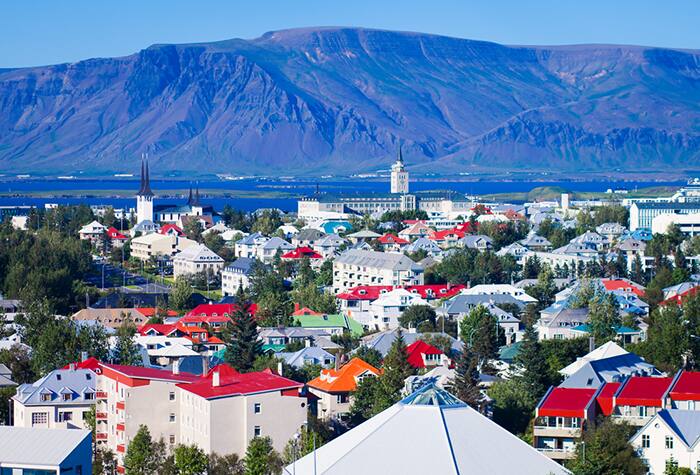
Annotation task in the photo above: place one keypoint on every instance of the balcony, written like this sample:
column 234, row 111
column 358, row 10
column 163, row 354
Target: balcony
column 101, row 436
column 631, row 420
column 557, row 431
column 101, row 395
column 121, row 449
column 120, row 427
column 558, row 454
column 120, row 405
column 101, row 416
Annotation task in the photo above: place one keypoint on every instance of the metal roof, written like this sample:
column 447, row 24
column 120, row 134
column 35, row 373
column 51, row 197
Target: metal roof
column 35, row 446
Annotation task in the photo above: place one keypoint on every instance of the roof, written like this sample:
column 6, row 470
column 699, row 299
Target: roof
column 312, row 353
column 329, row 321
column 276, row 243
column 159, row 328
column 686, row 387
column 429, row 432
column 389, row 238
column 78, row 382
column 605, row 398
column 54, row 445
column 113, row 233
column 382, row 341
column 364, row 234
column 242, row 265
column 680, row 298
column 624, row 285
column 171, row 228
column 566, row 402
column 595, row 373
column 643, row 391
column 140, row 372
column 301, row 252
column 685, row 424
column 233, row 383
column 198, row 252
column 606, row 350
column 373, row 292
column 343, row 379
column 417, row 349
column 384, row 260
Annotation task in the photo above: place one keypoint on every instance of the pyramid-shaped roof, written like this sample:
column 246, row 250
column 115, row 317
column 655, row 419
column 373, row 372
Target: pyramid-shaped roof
column 431, row 431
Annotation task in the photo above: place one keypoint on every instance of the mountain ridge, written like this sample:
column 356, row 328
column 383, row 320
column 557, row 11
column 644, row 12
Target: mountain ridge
column 341, row 100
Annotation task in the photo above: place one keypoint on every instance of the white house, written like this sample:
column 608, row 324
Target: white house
column 196, row 259
column 386, row 310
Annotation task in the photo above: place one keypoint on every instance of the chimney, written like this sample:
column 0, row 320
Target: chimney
column 83, row 355
column 71, row 366
column 215, row 379
column 307, row 343
column 176, row 366
column 296, row 307
column 591, row 343
column 205, row 365
column 280, row 368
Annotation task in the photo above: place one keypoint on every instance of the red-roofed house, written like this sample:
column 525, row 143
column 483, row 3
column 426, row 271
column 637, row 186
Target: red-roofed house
column 639, row 398
column 215, row 315
column 118, row 239
column 606, row 398
column 560, row 418
column 678, row 299
column 424, row 355
column 684, row 392
column 447, row 237
column 392, row 243
column 300, row 253
column 624, row 285
column 224, row 410
column 171, row 230
column 153, row 329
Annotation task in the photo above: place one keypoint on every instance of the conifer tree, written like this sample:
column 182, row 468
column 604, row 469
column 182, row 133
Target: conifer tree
column 243, row 345
column 531, row 360
column 465, row 384
column 396, row 370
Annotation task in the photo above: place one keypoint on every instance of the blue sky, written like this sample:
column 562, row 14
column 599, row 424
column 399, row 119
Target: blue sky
column 35, row 32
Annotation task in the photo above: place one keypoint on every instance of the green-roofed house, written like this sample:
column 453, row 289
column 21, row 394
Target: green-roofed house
column 508, row 353
column 335, row 324
column 624, row 334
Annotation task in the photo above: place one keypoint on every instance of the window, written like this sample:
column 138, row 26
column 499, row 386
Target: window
column 669, row 442
column 256, row 431
column 642, row 411
column 646, row 441
column 257, row 408
column 67, row 396
column 40, row 418
column 65, row 416
column 172, row 439
column 171, row 396
column 45, row 397
column 89, row 396
column 172, row 417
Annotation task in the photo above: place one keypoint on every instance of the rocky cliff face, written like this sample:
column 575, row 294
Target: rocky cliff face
column 341, row 100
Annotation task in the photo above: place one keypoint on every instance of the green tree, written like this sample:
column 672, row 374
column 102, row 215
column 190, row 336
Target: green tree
column 180, row 294
column 421, row 317
column 193, row 230
column 225, row 465
column 364, row 400
column 465, row 384
column 369, row 355
column 396, row 370
column 126, row 351
column 140, row 455
column 190, row 460
column 668, row 340
column 607, row 451
column 532, row 366
column 267, row 222
column 104, row 462
column 243, row 345
column 512, row 406
column 604, row 318
column 261, row 458
column 480, row 331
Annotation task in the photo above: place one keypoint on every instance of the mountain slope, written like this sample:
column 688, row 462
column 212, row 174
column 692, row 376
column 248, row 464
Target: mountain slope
column 340, row 100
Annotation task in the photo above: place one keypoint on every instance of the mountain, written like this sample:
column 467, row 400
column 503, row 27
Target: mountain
column 341, row 100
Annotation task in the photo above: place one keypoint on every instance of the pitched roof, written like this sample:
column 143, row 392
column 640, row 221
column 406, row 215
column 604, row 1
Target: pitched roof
column 171, row 228
column 605, row 398
column 685, row 424
column 51, row 447
column 686, row 387
column 113, row 233
column 75, row 381
column 140, row 372
column 606, row 350
column 429, row 432
column 373, row 292
column 301, row 252
column 389, row 238
column 417, row 349
column 383, row 260
column 643, row 391
column 565, row 402
column 198, row 252
column 343, row 379
column 159, row 328
column 329, row 321
column 233, row 383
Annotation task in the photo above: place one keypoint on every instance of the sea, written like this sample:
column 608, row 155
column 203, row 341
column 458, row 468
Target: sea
column 15, row 191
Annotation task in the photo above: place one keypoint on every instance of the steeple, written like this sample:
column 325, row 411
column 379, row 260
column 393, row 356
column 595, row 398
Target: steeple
column 145, row 189
column 189, row 197
column 399, row 158
column 195, row 201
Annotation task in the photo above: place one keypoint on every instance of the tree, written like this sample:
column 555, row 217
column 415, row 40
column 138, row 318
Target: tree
column 190, row 460
column 369, row 355
column 243, row 345
column 480, row 330
column 180, row 294
column 668, row 339
column 126, row 351
column 18, row 359
column 421, row 317
column 465, row 384
column 607, row 451
column 303, row 444
column 261, row 458
column 193, row 230
column 267, row 222
column 139, row 457
column 225, row 465
column 363, row 402
column 532, row 365
column 672, row 468
column 512, row 407
column 604, row 318
column 396, row 370
column 105, row 463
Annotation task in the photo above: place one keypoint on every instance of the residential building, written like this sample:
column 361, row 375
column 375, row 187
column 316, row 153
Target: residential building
column 222, row 411
column 277, row 338
column 535, row 242
column 357, row 267
column 560, row 418
column 642, row 214
column 336, row 324
column 329, row 245
column 388, row 307
column 423, row 244
column 334, row 388
column 196, row 259
column 37, row 451
column 415, row 231
column 422, row 355
column 237, row 275
column 500, row 289
column 307, row 237
column 248, row 246
column 309, row 355
column 110, row 317
column 429, row 432
column 689, row 224
column 607, row 350
column 158, row 245
column 61, row 399
column 594, row 374
column 476, row 241
column 267, row 252
column 116, row 237
column 612, row 231
column 382, row 341
column 639, row 398
column 93, row 232
column 672, row 434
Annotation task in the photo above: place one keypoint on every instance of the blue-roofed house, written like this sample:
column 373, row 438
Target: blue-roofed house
column 594, row 374
column 309, row 355
column 670, row 434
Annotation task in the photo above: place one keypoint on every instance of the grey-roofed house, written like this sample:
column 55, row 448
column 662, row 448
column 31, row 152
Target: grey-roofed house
column 39, row 451
column 424, row 244
column 307, row 237
column 237, row 275
column 383, row 340
column 592, row 239
column 357, row 267
column 309, row 355
column 558, row 324
column 594, row 374
column 60, row 399
column 363, row 235
column 329, row 245
column 460, row 305
column 248, row 246
column 276, row 338
column 577, row 249
column 476, row 241
column 535, row 242
column 611, row 230
column 267, row 251
column 6, row 377
column 515, row 249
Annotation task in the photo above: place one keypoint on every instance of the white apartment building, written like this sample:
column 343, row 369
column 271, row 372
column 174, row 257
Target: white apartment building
column 155, row 245
column 385, row 311
column 358, row 267
column 196, row 259
column 688, row 223
column 61, row 399
column 237, row 275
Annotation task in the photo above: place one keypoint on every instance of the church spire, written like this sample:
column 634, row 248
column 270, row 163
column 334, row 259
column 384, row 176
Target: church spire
column 400, row 155
column 145, row 189
column 189, row 197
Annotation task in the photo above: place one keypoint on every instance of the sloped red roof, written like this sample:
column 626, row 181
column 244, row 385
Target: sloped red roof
column 444, row 234
column 151, row 311
column 417, row 349
column 605, row 397
column 167, row 228
column 389, row 238
column 139, row 372
column 623, row 284
column 233, row 383
column 373, row 292
column 680, row 298
column 642, row 391
column 90, row 363
column 113, row 233
column 304, row 311
column 301, row 252
column 566, row 402
column 160, row 328
column 687, row 387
